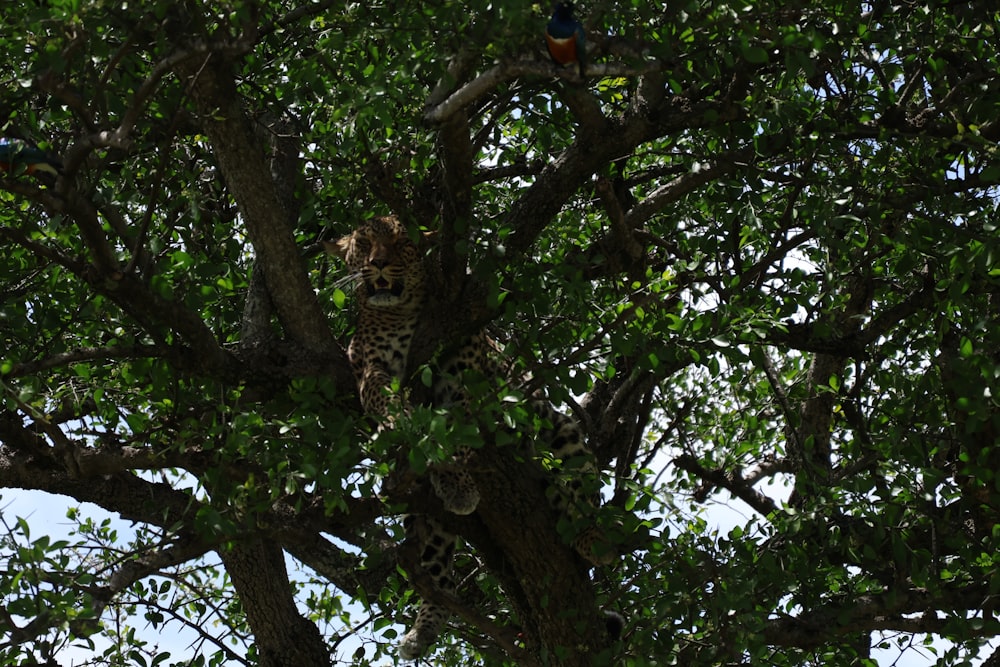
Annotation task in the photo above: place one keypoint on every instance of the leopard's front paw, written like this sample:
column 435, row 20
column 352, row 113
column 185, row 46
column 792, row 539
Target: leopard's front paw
column 456, row 489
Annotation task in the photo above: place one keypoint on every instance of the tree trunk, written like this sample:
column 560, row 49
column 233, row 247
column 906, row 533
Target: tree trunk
column 547, row 582
column 284, row 638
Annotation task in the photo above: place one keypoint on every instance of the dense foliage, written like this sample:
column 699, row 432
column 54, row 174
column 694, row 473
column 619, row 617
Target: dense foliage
column 753, row 250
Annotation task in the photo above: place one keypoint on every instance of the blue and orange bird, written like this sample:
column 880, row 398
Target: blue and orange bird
column 15, row 153
column 564, row 36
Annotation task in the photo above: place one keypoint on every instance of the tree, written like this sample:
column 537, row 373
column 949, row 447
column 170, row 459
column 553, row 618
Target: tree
column 752, row 249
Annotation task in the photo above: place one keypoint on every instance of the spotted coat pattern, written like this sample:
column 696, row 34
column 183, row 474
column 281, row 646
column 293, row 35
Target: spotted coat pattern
column 390, row 288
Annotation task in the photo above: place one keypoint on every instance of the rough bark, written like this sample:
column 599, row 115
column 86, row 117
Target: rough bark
column 547, row 583
column 268, row 220
column 283, row 636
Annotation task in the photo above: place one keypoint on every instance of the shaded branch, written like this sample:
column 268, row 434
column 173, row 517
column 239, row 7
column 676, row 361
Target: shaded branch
column 885, row 611
column 85, row 354
column 854, row 344
column 152, row 562
column 242, row 161
column 586, row 109
column 155, row 314
column 625, row 242
column 814, row 417
column 670, row 192
column 348, row 572
column 124, row 493
column 485, row 83
column 546, row 196
column 284, row 637
column 455, row 150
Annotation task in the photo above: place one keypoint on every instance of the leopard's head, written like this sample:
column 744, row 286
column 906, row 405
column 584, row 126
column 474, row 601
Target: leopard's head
column 386, row 262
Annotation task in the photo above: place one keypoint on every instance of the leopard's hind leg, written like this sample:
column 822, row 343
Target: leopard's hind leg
column 437, row 549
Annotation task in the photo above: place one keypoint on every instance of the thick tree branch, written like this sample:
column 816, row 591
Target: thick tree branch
column 585, row 109
column 348, row 572
column 485, row 83
column 284, row 637
column 541, row 571
column 812, row 448
column 124, row 493
column 672, row 191
column 565, row 175
column 268, row 223
column 455, row 149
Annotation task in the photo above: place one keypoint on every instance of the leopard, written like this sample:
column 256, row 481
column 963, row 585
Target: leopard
column 386, row 264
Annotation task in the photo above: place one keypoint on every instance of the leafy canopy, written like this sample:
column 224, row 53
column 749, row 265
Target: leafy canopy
column 753, row 251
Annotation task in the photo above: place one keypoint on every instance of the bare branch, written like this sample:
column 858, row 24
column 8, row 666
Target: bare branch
column 731, row 481
column 682, row 185
column 493, row 77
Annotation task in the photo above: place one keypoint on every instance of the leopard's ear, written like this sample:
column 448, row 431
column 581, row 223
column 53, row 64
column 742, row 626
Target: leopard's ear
column 338, row 247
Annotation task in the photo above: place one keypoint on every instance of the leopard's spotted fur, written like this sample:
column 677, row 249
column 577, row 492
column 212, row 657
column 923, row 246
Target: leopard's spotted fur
column 391, row 292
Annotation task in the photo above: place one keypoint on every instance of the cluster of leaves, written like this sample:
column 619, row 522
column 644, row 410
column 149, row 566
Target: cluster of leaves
column 753, row 251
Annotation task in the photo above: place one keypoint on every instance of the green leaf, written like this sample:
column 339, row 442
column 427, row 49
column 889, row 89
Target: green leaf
column 339, row 298
column 754, row 54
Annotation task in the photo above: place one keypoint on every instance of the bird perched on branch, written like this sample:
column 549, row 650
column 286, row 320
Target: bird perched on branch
column 15, row 153
column 564, row 37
